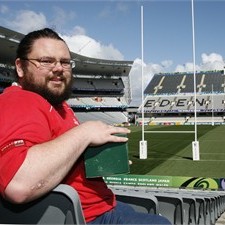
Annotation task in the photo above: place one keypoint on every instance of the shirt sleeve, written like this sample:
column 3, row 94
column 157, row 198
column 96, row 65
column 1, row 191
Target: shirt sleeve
column 24, row 123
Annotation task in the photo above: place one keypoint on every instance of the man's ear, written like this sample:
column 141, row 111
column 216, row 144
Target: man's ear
column 19, row 68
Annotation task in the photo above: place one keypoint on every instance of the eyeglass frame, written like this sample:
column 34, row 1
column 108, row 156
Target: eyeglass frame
column 72, row 63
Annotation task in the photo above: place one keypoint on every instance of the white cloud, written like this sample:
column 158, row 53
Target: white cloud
column 136, row 78
column 167, row 63
column 212, row 61
column 211, row 58
column 26, row 21
column 87, row 46
column 187, row 67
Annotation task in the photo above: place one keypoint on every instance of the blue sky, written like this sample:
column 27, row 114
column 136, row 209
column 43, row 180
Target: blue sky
column 112, row 30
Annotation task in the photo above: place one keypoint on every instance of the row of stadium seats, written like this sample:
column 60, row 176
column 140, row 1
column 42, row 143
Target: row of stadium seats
column 111, row 110
column 181, row 120
column 114, row 118
column 62, row 205
column 180, row 206
column 98, row 101
column 93, row 85
column 176, row 83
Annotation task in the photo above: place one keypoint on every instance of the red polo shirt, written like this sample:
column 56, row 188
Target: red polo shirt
column 27, row 119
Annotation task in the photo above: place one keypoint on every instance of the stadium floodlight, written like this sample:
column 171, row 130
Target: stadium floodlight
column 142, row 143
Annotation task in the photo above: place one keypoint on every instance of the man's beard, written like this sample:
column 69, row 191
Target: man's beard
column 54, row 99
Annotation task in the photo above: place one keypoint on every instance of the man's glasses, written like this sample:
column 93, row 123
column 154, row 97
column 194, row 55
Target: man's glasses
column 50, row 62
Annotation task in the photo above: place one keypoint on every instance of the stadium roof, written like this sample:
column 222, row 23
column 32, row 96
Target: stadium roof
column 9, row 40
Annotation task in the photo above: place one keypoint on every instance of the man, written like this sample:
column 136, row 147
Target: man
column 41, row 140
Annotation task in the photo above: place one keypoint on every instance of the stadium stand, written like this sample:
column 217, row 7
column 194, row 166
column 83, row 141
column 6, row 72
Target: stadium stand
column 172, row 95
column 111, row 110
column 95, row 86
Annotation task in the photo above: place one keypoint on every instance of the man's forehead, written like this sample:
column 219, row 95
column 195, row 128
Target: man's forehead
column 49, row 41
column 50, row 46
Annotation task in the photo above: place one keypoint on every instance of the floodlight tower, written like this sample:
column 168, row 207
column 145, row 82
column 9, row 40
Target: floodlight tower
column 142, row 143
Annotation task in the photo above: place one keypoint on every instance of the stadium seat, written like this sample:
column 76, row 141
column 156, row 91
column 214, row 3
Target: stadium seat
column 200, row 210
column 137, row 199
column 189, row 209
column 60, row 206
column 189, row 205
column 207, row 210
column 213, row 209
column 203, row 208
column 211, row 205
column 171, row 206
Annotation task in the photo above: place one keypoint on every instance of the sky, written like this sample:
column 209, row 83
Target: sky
column 173, row 37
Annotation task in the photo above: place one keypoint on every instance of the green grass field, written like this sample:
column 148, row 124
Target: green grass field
column 170, row 154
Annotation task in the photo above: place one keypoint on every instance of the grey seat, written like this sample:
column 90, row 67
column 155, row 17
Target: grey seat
column 200, row 210
column 60, row 206
column 189, row 209
column 171, row 207
column 137, row 199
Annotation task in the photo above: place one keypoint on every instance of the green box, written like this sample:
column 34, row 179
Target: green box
column 106, row 160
